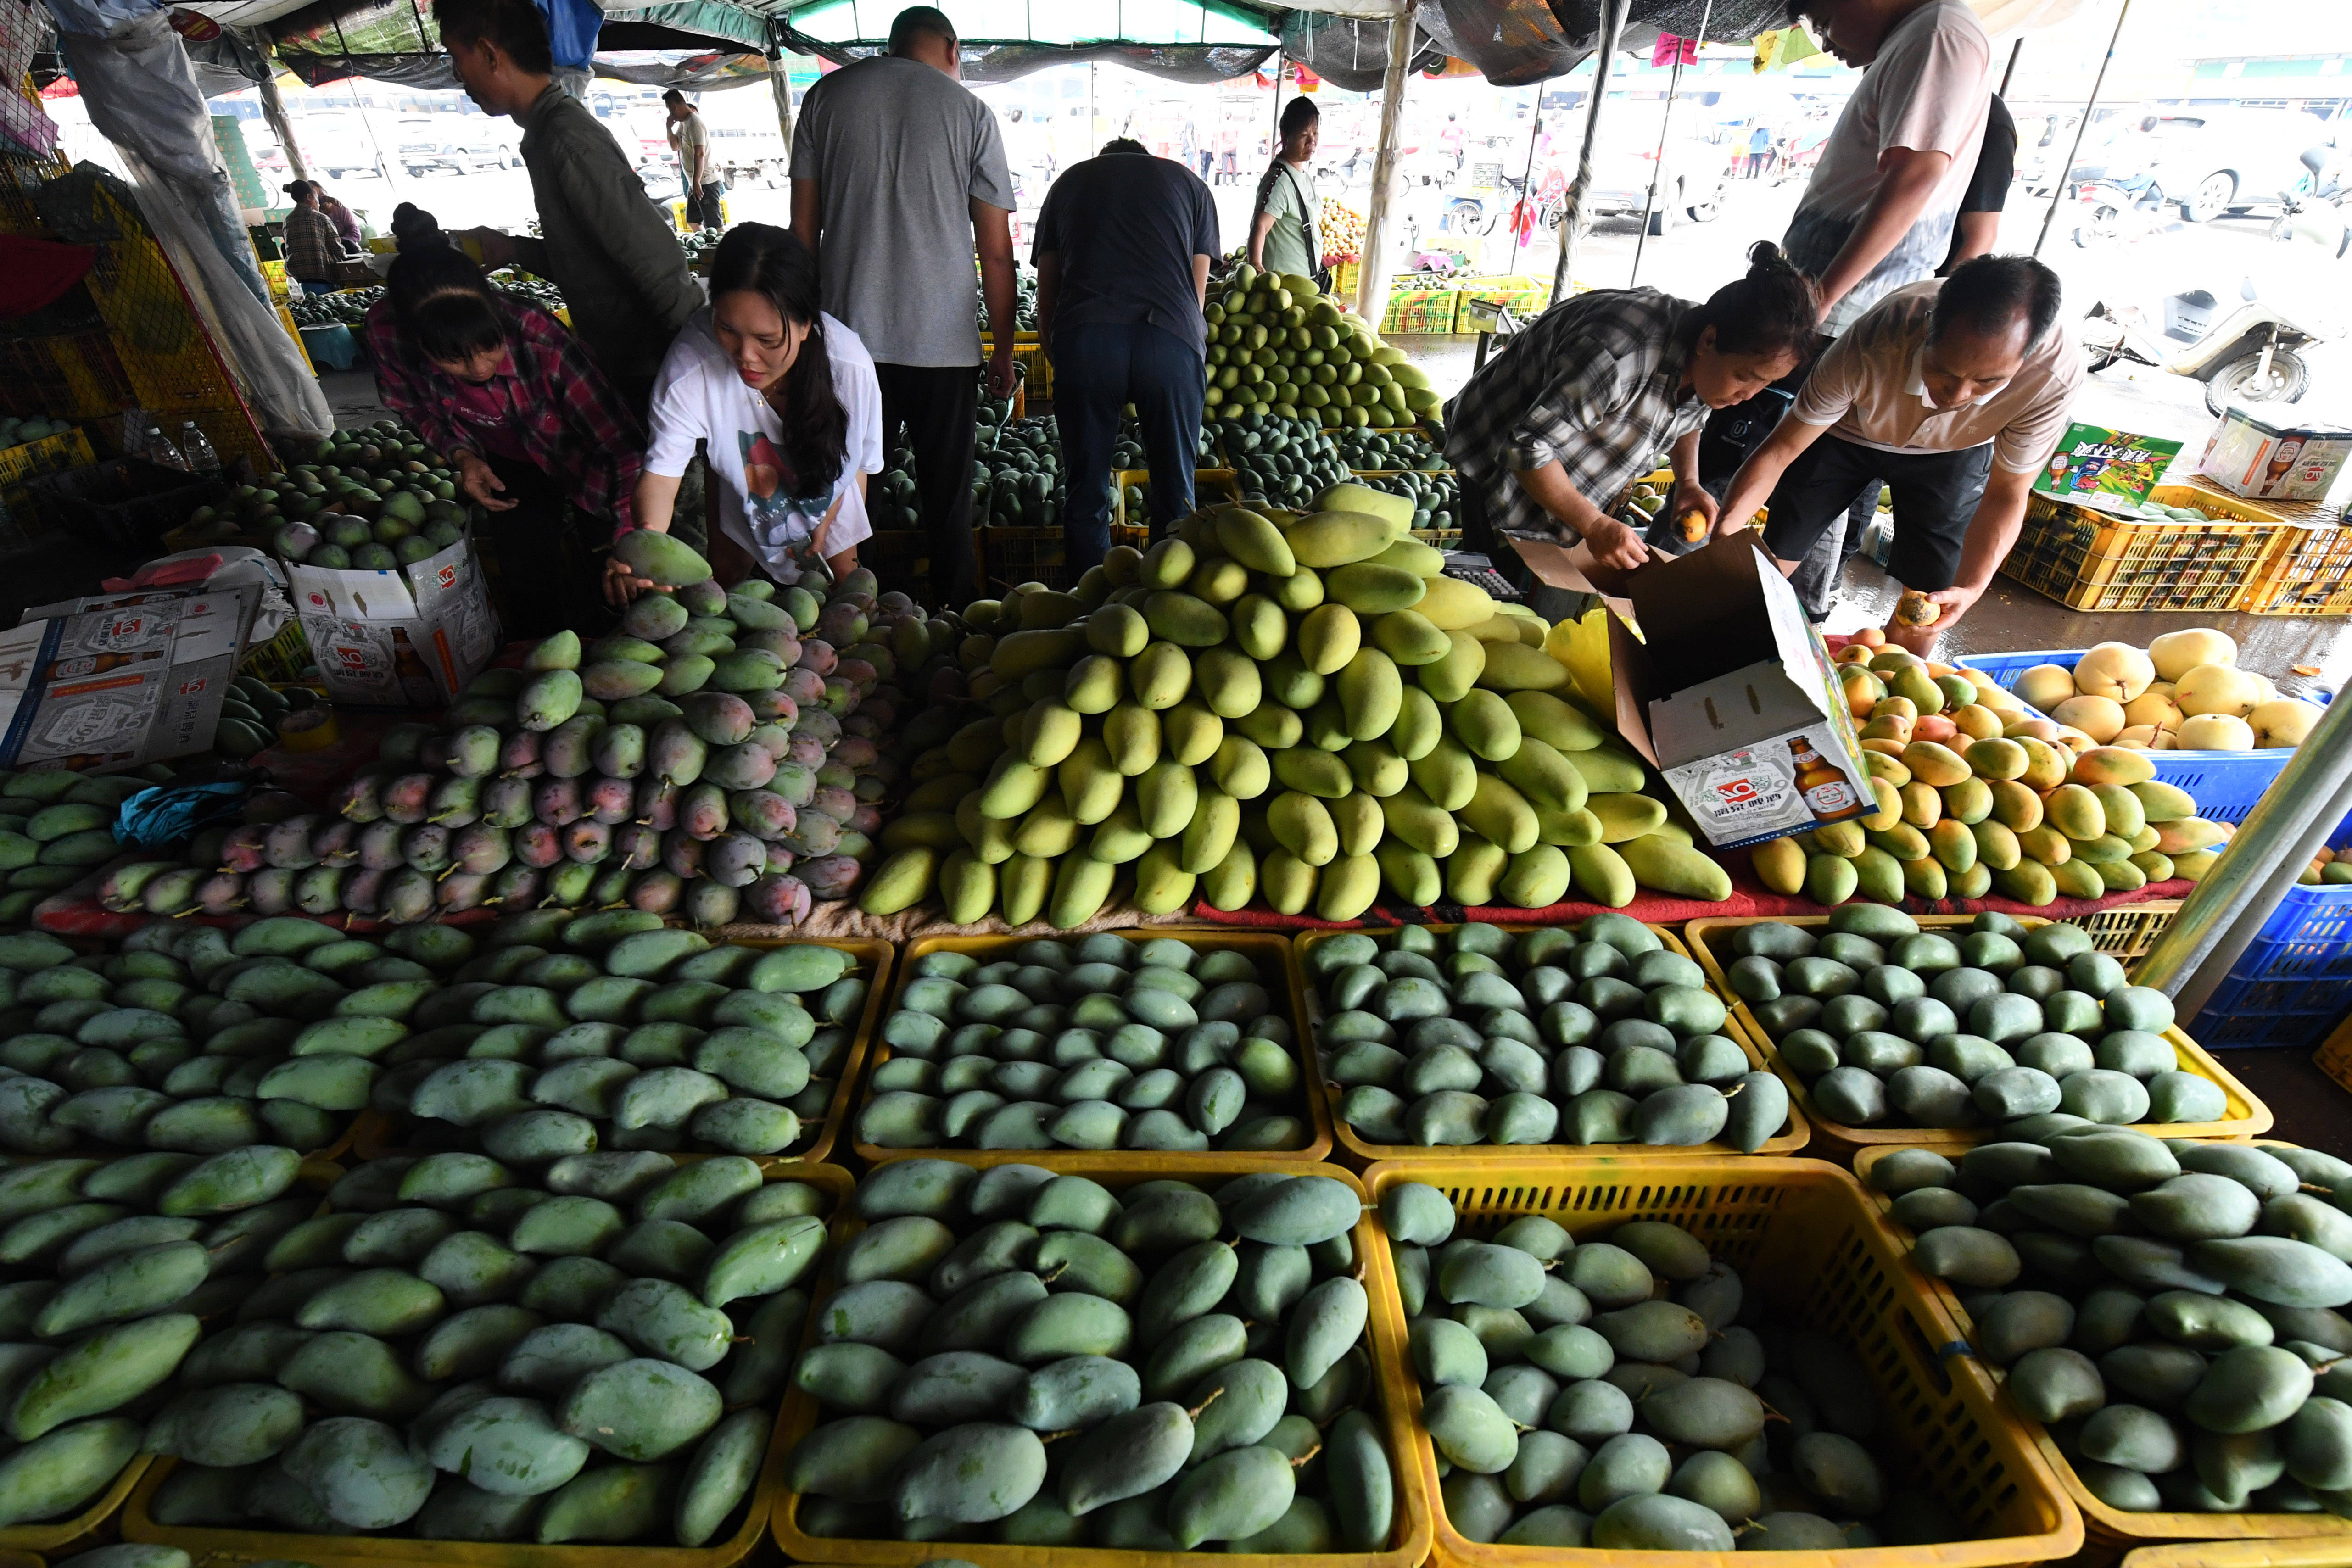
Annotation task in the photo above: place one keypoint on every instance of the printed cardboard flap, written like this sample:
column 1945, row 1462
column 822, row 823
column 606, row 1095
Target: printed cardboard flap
column 402, row 593
column 1724, row 655
column 2110, row 469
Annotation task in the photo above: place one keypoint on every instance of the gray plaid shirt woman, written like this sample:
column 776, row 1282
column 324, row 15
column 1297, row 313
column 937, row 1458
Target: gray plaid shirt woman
column 1593, row 385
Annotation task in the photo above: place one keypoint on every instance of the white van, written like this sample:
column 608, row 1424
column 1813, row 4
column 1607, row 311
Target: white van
column 746, row 144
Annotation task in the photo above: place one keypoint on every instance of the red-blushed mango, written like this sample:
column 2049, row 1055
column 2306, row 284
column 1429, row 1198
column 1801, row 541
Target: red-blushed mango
column 2177, row 838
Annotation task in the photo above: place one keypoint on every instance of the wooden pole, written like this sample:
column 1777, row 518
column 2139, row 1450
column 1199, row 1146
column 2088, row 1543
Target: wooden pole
column 1575, row 221
column 273, row 110
column 1373, row 269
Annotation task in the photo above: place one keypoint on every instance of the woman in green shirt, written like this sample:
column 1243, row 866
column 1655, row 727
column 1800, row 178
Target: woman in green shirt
column 1282, row 236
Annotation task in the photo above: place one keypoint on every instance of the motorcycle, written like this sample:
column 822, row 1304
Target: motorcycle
column 2120, row 210
column 2315, row 216
column 2247, row 356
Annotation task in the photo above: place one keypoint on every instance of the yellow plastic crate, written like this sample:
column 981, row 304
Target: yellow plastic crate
column 2127, row 932
column 382, row 1135
column 1354, row 1148
column 217, row 1548
column 2304, row 1551
column 2093, row 559
column 2108, row 1527
column 1804, row 1234
column 1274, row 960
column 1408, row 1540
column 2307, row 575
column 2247, row 1115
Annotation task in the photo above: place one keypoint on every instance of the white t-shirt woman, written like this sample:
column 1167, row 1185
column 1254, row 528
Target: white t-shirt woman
column 786, row 401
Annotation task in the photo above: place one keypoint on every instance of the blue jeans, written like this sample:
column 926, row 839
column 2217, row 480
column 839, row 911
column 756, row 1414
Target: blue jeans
column 1097, row 370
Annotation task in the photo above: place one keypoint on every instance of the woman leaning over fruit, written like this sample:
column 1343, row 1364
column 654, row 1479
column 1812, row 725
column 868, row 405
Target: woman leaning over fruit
column 786, row 400
column 523, row 414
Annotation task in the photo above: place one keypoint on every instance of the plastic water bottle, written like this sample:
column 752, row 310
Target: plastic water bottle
column 198, row 451
column 160, row 449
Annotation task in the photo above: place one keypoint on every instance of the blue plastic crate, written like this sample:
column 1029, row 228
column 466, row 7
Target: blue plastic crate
column 2225, row 783
column 2294, row 983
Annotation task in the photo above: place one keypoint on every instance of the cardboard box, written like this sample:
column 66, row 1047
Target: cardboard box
column 1731, row 695
column 408, row 637
column 2265, row 460
column 2112, row 470
column 100, row 684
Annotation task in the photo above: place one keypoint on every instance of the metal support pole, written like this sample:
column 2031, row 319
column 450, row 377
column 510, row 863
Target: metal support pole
column 1575, row 221
column 273, row 110
column 2059, row 186
column 780, row 84
column 2009, row 71
column 1373, row 267
column 1281, row 65
column 2226, row 909
column 1658, row 170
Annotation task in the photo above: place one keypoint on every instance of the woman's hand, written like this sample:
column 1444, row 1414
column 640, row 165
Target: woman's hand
column 481, row 483
column 622, row 585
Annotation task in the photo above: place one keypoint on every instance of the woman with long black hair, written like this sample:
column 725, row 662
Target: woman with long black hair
column 519, row 407
column 1284, row 220
column 787, row 400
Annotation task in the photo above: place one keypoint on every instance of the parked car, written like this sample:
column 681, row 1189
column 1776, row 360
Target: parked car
column 2215, row 162
column 339, row 146
column 1692, row 185
column 742, row 153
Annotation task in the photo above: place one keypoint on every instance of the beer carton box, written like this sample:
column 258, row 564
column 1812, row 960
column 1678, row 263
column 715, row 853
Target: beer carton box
column 408, row 637
column 2275, row 460
column 100, row 684
column 1732, row 695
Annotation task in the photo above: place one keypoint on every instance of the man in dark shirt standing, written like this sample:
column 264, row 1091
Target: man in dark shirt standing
column 1122, row 256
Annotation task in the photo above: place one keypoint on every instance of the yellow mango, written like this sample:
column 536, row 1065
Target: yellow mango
column 1923, row 879
column 1601, row 874
column 1778, row 865
column 1334, row 538
column 2014, row 806
column 2076, row 812
column 1828, row 879
column 1997, row 847
column 1953, row 845
column 1328, row 637
column 1450, row 678
column 1903, row 841
column 1500, row 814
column 1411, row 874
column 1922, row 808
column 1454, row 605
column 1931, row 763
column 2046, row 844
column 1625, row 818
column 2117, row 765
column 1843, row 838
column 1660, row 863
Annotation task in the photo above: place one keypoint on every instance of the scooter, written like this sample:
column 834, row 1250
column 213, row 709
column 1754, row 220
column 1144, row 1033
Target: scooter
column 2119, row 210
column 2248, row 356
column 2315, row 216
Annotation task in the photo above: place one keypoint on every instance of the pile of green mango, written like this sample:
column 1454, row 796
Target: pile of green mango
column 454, row 1354
column 1998, row 1026
column 571, row 1033
column 1098, row 1043
column 191, row 1039
column 55, row 827
column 2167, row 1308
column 1614, row 1394
column 1019, row 1356
column 108, row 1270
column 1591, row 1035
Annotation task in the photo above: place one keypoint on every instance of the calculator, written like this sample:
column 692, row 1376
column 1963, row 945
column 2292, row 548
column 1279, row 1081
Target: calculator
column 1473, row 568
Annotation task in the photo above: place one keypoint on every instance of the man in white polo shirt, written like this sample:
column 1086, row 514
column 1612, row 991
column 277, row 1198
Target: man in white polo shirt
column 1954, row 393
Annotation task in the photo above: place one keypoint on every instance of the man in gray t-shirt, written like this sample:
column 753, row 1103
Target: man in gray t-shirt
column 899, row 174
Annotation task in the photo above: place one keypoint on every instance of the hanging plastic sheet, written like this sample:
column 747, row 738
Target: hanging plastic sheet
column 986, row 62
column 1349, row 52
column 1516, row 42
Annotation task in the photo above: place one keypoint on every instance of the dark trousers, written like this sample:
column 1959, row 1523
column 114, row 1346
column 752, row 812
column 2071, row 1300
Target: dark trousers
column 702, row 206
column 1936, row 496
column 1097, row 370
column 938, row 404
column 548, row 579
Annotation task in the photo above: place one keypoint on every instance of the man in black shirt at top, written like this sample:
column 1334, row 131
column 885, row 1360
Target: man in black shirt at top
column 1122, row 256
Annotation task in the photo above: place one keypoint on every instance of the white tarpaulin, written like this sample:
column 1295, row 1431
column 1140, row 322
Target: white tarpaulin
column 142, row 96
